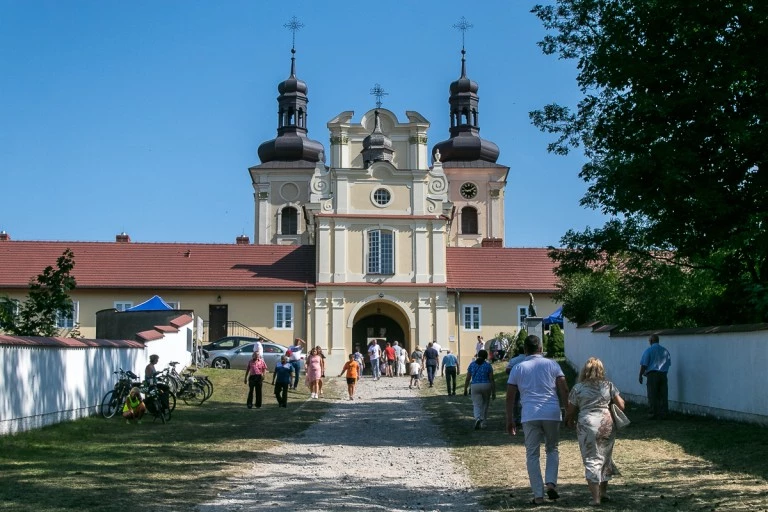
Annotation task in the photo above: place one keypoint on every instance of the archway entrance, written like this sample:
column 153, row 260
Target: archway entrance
column 380, row 320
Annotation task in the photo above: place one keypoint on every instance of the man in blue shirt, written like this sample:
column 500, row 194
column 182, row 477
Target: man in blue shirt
column 654, row 365
column 450, row 368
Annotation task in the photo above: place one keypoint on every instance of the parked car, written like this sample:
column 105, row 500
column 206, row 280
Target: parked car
column 238, row 357
column 229, row 342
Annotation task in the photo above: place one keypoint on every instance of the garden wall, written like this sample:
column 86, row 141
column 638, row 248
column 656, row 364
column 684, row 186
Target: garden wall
column 717, row 371
column 49, row 380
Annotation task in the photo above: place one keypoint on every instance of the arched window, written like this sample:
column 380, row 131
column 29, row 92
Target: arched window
column 468, row 221
column 381, row 252
column 289, row 221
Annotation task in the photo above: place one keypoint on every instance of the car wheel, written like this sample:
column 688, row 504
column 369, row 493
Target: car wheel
column 220, row 362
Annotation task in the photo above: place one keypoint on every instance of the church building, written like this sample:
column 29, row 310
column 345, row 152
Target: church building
column 378, row 235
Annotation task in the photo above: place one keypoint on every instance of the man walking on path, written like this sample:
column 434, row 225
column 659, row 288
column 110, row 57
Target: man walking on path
column 432, row 357
column 374, row 352
column 450, row 369
column 544, row 393
column 654, row 364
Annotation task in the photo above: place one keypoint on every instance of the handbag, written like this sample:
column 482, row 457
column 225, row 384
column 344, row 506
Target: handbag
column 619, row 418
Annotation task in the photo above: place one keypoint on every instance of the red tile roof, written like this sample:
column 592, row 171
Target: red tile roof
column 110, row 265
column 40, row 341
column 492, row 269
column 163, row 265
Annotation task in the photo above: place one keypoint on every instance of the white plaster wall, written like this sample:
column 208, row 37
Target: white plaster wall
column 41, row 386
column 718, row 374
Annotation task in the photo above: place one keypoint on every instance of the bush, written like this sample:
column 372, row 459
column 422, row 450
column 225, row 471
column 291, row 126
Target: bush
column 555, row 342
column 520, row 340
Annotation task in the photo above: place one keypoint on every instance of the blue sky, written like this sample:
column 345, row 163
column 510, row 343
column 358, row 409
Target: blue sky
column 144, row 116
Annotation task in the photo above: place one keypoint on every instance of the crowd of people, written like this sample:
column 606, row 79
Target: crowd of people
column 538, row 400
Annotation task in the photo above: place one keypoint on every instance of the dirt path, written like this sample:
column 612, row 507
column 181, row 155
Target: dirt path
column 378, row 452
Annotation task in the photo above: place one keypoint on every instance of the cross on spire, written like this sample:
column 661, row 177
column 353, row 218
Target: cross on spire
column 463, row 24
column 379, row 93
column 294, row 25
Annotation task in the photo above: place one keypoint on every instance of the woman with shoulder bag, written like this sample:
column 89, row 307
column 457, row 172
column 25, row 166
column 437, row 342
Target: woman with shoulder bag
column 591, row 399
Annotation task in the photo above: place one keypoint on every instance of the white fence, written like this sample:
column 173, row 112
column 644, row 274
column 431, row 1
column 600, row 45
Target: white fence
column 43, row 385
column 721, row 374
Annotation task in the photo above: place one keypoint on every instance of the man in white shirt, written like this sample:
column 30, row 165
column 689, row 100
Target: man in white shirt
column 259, row 348
column 398, row 349
column 480, row 345
column 374, row 353
column 544, row 393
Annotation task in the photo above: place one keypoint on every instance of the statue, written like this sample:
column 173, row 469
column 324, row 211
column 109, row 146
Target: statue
column 531, row 306
column 437, row 156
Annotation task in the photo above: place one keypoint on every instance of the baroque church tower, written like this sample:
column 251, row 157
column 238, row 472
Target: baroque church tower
column 380, row 218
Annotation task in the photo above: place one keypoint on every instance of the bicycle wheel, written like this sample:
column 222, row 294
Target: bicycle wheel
column 193, row 394
column 207, row 387
column 110, row 404
column 171, row 403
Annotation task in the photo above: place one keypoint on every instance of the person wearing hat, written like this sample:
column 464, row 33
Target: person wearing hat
column 134, row 406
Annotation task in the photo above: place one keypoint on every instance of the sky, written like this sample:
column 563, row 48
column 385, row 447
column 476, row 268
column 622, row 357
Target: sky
column 144, row 116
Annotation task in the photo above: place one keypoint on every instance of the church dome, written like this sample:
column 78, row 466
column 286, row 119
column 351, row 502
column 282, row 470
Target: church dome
column 377, row 146
column 292, row 143
column 465, row 143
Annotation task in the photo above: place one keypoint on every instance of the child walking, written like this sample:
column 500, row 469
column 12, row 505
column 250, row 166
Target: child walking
column 414, row 369
column 352, row 368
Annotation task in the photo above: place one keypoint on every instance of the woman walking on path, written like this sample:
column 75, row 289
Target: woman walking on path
column 591, row 398
column 314, row 372
column 352, row 369
column 402, row 362
column 322, row 371
column 480, row 375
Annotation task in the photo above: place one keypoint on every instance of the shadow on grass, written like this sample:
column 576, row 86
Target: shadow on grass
column 108, row 465
column 721, row 465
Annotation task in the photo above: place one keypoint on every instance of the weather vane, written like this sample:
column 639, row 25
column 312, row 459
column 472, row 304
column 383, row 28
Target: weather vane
column 294, row 25
column 379, row 93
column 463, row 25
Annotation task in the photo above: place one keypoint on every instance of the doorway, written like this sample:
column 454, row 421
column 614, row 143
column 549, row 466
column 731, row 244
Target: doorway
column 218, row 316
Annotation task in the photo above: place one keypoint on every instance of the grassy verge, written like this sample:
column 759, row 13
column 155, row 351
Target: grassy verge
column 107, row 465
column 683, row 463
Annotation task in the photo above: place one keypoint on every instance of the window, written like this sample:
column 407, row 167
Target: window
column 472, row 318
column 123, row 305
column 70, row 320
column 289, row 221
column 522, row 314
column 381, row 250
column 174, row 304
column 283, row 316
column 381, row 197
column 468, row 221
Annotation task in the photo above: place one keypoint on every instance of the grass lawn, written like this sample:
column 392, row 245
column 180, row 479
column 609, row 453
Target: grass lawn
column 683, row 463
column 107, row 465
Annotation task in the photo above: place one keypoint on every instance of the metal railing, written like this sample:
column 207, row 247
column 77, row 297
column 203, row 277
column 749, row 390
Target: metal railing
column 235, row 328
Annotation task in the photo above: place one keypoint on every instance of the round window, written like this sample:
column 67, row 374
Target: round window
column 382, row 197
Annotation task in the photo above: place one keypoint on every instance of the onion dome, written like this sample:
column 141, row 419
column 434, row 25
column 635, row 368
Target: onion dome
column 377, row 147
column 292, row 143
column 465, row 143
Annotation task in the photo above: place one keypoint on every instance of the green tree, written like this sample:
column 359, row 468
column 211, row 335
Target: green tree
column 555, row 345
column 672, row 122
column 48, row 297
column 519, row 340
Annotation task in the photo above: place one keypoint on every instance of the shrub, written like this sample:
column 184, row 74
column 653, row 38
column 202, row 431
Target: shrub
column 555, row 342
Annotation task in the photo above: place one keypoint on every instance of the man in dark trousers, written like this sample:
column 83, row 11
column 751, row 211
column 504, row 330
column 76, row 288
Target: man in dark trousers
column 654, row 365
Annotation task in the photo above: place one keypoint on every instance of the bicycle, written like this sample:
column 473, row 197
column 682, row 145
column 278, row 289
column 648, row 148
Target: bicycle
column 114, row 399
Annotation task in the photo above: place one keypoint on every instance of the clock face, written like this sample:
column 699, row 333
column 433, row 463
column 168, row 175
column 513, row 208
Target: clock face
column 468, row 190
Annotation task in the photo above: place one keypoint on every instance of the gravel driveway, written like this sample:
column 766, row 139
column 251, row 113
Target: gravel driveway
column 378, row 452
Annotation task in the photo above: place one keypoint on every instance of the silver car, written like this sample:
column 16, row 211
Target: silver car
column 238, row 357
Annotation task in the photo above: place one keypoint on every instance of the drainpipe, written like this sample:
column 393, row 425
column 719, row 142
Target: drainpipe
column 306, row 315
column 458, row 326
